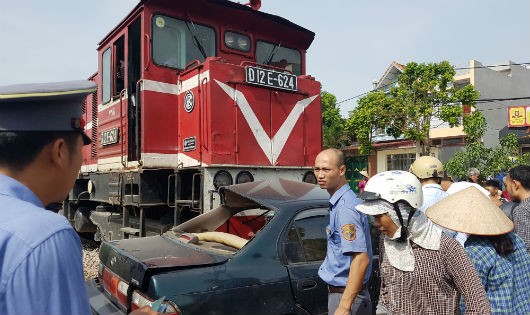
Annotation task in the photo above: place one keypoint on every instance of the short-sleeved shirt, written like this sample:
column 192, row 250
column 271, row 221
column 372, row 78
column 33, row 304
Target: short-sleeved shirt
column 432, row 193
column 348, row 232
column 506, row 278
column 41, row 269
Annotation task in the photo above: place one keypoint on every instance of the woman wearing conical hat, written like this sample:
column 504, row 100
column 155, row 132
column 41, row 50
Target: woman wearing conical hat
column 422, row 269
column 499, row 255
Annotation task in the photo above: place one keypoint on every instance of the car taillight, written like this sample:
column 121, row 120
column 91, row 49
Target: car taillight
column 115, row 286
column 139, row 301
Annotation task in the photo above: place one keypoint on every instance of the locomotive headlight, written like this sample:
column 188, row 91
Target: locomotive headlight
column 309, row 177
column 237, row 41
column 244, row 177
column 222, row 178
column 243, row 43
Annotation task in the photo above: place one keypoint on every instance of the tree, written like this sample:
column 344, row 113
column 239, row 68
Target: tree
column 332, row 122
column 489, row 161
column 424, row 92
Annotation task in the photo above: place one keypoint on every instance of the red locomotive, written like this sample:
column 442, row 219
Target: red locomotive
column 192, row 95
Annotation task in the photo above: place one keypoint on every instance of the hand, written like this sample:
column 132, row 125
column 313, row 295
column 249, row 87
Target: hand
column 146, row 310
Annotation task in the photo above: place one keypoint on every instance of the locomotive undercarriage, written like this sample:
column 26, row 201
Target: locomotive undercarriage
column 133, row 204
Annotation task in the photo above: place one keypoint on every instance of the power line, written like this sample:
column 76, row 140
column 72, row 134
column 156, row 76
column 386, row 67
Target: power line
column 461, row 68
column 494, row 66
column 487, row 100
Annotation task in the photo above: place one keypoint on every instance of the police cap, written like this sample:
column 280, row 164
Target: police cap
column 45, row 106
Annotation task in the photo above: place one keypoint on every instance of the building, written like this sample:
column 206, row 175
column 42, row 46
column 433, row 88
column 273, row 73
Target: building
column 497, row 84
column 502, row 85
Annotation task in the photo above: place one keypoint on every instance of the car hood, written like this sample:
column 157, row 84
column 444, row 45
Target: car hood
column 134, row 259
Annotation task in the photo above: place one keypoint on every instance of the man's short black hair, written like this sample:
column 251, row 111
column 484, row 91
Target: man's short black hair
column 521, row 173
column 492, row 183
column 18, row 149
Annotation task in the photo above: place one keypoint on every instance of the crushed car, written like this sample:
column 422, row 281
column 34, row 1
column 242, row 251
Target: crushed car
column 257, row 253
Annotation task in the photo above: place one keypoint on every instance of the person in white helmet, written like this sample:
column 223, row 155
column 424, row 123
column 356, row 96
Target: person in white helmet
column 429, row 170
column 423, row 271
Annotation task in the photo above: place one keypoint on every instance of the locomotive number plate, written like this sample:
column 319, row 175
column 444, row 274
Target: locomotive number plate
column 270, row 78
column 109, row 136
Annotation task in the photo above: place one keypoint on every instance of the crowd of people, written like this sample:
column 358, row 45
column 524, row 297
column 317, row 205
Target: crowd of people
column 445, row 248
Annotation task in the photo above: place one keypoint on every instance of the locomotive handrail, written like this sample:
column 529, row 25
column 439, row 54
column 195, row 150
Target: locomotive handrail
column 246, row 62
column 121, row 128
column 169, row 188
column 148, row 52
column 204, row 118
column 193, row 193
column 136, row 128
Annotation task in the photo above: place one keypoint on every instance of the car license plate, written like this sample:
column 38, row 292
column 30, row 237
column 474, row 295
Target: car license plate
column 270, row 78
column 109, row 136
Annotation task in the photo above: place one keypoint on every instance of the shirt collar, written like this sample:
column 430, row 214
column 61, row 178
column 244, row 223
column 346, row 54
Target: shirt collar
column 13, row 188
column 336, row 196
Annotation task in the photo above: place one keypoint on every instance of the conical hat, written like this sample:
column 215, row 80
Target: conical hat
column 471, row 212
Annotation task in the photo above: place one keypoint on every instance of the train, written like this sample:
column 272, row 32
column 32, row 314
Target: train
column 192, row 95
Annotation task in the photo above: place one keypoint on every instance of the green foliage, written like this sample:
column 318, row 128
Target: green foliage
column 332, row 122
column 474, row 126
column 423, row 92
column 489, row 161
column 371, row 113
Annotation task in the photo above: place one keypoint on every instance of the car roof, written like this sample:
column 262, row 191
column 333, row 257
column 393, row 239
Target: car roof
column 271, row 193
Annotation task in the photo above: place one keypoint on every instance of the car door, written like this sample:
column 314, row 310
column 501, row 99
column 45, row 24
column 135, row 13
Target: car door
column 303, row 250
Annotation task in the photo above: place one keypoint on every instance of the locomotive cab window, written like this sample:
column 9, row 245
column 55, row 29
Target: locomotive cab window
column 176, row 43
column 276, row 55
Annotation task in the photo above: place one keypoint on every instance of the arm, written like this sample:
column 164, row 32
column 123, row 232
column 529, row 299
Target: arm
column 358, row 267
column 50, row 279
column 522, row 225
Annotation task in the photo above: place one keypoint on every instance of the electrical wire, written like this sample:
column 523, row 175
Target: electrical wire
column 462, row 68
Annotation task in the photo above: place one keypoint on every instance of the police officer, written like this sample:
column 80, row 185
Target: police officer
column 347, row 266
column 41, row 139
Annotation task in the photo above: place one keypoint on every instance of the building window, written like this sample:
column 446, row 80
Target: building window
column 400, row 162
column 453, row 141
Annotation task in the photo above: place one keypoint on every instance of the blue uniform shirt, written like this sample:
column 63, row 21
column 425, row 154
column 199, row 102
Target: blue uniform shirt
column 41, row 268
column 348, row 232
column 432, row 193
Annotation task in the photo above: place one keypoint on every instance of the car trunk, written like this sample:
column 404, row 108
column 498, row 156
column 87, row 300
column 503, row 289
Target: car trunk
column 134, row 260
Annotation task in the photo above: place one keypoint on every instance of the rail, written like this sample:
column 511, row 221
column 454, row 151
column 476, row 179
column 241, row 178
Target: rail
column 120, row 134
column 137, row 120
column 147, row 52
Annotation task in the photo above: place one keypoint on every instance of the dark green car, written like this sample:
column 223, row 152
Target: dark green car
column 258, row 253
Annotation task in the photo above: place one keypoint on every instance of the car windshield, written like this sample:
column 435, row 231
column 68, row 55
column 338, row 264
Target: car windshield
column 177, row 43
column 223, row 229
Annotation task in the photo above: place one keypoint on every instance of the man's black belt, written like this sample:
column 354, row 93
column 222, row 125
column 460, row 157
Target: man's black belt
column 334, row 289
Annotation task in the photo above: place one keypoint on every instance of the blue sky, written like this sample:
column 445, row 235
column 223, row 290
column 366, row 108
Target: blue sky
column 356, row 40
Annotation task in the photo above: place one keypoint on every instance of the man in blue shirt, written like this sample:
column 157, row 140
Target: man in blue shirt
column 41, row 139
column 347, row 266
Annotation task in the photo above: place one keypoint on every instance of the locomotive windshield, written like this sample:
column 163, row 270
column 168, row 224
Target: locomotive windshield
column 278, row 56
column 176, row 43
